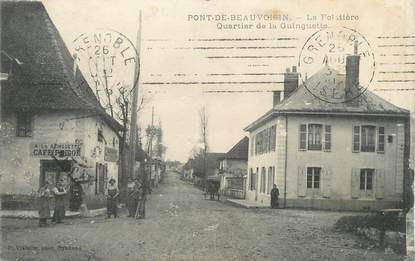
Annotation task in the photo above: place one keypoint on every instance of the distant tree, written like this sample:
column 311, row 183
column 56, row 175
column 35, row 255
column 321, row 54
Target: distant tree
column 204, row 119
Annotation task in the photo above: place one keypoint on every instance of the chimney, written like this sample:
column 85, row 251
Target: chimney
column 290, row 81
column 276, row 98
column 352, row 74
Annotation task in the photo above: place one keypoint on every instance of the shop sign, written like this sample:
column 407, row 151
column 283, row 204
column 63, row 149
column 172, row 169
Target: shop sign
column 59, row 150
column 110, row 154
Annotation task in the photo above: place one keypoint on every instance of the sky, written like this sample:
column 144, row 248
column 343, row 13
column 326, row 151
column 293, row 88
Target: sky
column 187, row 63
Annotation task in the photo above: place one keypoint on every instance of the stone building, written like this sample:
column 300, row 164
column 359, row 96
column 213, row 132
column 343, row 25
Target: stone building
column 52, row 126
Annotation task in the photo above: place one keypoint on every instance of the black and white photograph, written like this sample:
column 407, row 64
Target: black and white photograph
column 207, row 130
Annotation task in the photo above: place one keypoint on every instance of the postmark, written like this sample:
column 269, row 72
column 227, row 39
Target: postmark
column 110, row 60
column 336, row 64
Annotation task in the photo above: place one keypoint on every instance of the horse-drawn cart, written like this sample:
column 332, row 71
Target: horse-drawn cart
column 212, row 187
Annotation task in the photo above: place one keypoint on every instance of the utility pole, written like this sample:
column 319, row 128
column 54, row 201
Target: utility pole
column 133, row 127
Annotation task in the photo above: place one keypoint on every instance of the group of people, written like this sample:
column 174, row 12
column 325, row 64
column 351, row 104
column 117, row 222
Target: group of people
column 135, row 203
column 45, row 194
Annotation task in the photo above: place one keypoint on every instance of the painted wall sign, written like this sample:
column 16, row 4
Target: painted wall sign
column 38, row 149
column 110, row 154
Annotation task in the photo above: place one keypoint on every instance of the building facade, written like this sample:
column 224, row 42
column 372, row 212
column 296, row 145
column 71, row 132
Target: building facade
column 52, row 126
column 232, row 170
column 345, row 156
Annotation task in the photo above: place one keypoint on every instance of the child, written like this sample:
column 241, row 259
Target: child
column 44, row 211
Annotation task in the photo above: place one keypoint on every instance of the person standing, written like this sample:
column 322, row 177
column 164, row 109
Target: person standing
column 43, row 206
column 75, row 192
column 59, row 192
column 275, row 193
column 112, row 198
column 132, row 197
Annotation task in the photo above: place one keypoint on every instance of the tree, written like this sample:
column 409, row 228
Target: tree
column 204, row 119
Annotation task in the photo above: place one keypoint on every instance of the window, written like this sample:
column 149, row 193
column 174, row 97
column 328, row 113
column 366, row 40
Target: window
column 101, row 171
column 262, row 188
column 368, row 138
column 381, row 139
column 24, row 124
column 364, row 139
column 313, row 178
column 314, row 136
column 311, row 137
column 100, row 135
column 265, row 140
column 271, row 172
column 366, row 179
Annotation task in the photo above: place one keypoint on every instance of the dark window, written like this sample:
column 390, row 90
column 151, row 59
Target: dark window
column 273, row 137
column 390, row 138
column 24, row 124
column 314, row 136
column 366, row 179
column 381, row 139
column 100, row 135
column 368, row 138
column 313, row 177
column 262, row 189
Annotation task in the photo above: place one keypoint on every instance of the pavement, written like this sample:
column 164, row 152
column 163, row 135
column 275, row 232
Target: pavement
column 33, row 214
column 247, row 204
column 181, row 225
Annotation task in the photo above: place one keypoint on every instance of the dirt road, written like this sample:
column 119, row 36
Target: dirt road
column 181, row 225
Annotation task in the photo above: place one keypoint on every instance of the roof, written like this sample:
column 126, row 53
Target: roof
column 41, row 75
column 211, row 163
column 239, row 150
column 301, row 101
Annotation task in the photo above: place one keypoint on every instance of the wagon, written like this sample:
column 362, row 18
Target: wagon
column 212, row 187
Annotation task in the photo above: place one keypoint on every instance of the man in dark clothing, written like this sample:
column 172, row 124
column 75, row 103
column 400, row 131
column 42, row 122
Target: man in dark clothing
column 75, row 192
column 275, row 193
column 132, row 197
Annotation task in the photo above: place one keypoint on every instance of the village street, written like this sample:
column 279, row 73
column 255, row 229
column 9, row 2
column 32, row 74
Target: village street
column 181, row 225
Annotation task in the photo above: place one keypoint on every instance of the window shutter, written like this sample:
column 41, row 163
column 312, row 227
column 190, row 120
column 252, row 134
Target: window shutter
column 326, row 172
column 327, row 138
column 302, row 143
column 356, row 139
column 381, row 140
column 301, row 181
column 96, row 177
column 379, row 183
column 355, row 183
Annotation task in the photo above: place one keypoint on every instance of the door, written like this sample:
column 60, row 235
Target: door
column 51, row 171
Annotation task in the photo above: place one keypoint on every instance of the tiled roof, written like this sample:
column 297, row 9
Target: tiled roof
column 301, row 101
column 42, row 68
column 239, row 151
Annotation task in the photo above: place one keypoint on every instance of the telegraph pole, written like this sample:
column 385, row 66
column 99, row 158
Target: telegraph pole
column 133, row 127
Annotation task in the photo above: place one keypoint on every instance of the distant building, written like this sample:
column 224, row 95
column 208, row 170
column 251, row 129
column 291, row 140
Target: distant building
column 52, row 126
column 346, row 156
column 232, row 169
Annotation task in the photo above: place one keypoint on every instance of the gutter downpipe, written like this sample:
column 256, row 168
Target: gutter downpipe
column 285, row 167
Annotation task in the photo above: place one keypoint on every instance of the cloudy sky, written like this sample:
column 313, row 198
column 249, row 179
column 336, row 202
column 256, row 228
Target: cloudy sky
column 187, row 63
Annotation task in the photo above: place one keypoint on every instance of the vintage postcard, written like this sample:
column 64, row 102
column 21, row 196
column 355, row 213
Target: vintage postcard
column 207, row 130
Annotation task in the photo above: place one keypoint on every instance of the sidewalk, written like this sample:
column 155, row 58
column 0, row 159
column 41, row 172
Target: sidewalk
column 33, row 214
column 247, row 204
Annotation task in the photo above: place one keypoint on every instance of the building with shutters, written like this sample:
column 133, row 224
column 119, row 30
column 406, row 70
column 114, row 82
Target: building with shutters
column 351, row 155
column 52, row 124
column 232, row 169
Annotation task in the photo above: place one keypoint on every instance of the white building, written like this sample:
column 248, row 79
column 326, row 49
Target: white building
column 51, row 122
column 350, row 155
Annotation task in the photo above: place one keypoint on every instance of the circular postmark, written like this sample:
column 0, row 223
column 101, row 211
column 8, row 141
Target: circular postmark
column 336, row 64
column 109, row 60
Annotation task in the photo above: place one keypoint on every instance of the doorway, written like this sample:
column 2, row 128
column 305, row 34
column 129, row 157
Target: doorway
column 52, row 171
